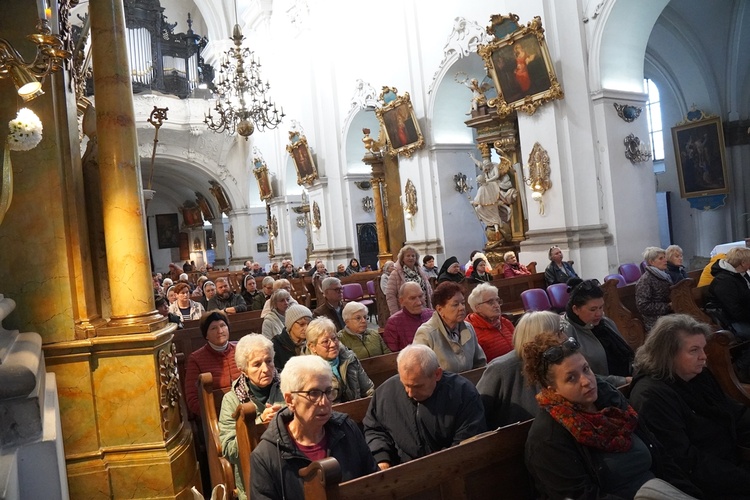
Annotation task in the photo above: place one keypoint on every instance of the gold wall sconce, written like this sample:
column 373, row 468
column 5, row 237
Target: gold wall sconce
column 635, row 150
column 539, row 174
column 50, row 57
column 409, row 203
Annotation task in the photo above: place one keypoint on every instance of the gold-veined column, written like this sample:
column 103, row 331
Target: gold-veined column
column 377, row 180
column 122, row 200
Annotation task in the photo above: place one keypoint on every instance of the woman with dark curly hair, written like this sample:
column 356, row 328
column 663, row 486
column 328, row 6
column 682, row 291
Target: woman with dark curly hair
column 587, row 441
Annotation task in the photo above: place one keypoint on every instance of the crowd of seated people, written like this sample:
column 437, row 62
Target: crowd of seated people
column 560, row 370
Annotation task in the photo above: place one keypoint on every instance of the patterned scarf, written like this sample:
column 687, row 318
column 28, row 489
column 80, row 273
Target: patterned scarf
column 413, row 275
column 609, row 430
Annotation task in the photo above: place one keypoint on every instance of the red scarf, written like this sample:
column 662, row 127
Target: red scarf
column 608, row 430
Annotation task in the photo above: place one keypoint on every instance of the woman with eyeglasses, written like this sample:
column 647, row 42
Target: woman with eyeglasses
column 349, row 378
column 494, row 332
column 706, row 432
column 306, row 430
column 587, row 441
column 558, row 270
column 605, row 349
column 365, row 342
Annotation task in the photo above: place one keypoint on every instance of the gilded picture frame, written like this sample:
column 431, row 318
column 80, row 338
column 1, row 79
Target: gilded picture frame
column 400, row 123
column 221, row 197
column 519, row 63
column 264, row 181
column 304, row 163
column 699, row 155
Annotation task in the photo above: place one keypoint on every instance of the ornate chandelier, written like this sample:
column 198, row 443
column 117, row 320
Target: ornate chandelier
column 242, row 103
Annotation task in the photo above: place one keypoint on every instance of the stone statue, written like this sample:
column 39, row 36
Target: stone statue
column 495, row 195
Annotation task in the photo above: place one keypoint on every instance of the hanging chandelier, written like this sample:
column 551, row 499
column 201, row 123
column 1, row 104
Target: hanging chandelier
column 242, row 103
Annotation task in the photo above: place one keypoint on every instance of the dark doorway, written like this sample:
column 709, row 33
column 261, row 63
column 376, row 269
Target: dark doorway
column 367, row 241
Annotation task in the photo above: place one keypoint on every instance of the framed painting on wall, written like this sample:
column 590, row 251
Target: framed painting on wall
column 304, row 163
column 167, row 230
column 520, row 66
column 398, row 119
column 699, row 153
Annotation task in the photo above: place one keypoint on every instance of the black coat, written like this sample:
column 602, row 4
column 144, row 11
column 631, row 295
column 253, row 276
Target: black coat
column 553, row 274
column 283, row 349
column 676, row 273
column 700, row 427
column 399, row 429
column 276, row 461
column 731, row 292
column 563, row 468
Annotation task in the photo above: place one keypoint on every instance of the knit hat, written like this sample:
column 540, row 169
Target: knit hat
column 295, row 313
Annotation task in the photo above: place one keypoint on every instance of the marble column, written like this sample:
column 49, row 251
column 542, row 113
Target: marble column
column 378, row 179
column 122, row 202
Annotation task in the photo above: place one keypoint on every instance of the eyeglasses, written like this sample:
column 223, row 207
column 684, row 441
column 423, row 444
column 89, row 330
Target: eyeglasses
column 497, row 301
column 556, row 354
column 337, row 290
column 328, row 341
column 315, row 395
column 359, row 318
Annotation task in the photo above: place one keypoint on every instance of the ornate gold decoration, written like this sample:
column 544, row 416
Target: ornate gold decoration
column 264, row 182
column 221, row 197
column 169, row 387
column 316, row 216
column 539, row 174
column 304, row 163
column 520, row 65
column 274, row 228
column 410, row 201
column 398, row 120
column 208, row 213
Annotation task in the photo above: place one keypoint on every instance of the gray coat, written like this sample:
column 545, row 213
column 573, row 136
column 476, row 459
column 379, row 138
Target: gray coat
column 506, row 396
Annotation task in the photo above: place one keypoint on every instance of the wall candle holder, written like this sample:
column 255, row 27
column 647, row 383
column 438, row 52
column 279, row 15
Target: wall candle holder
column 636, row 151
column 539, row 174
column 409, row 202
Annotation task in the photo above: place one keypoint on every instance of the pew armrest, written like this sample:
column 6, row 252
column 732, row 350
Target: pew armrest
column 321, row 479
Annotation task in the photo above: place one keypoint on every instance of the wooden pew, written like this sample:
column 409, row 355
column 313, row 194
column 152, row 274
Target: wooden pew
column 249, row 433
column 630, row 327
column 509, row 291
column 380, row 368
column 688, row 299
column 627, row 298
column 220, row 469
column 473, row 469
column 719, row 352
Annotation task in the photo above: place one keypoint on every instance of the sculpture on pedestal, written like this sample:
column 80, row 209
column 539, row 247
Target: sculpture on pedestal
column 494, row 199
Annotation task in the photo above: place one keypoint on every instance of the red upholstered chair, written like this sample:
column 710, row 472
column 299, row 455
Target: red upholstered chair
column 558, row 296
column 630, row 272
column 353, row 292
column 535, row 299
column 372, row 296
column 619, row 277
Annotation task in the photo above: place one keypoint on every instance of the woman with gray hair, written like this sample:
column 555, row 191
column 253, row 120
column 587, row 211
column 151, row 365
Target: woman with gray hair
column 407, row 268
column 306, row 430
column 494, row 332
column 506, row 395
column 684, row 406
column 675, row 269
column 365, row 342
column 387, row 268
column 652, row 290
column 349, row 378
column 273, row 323
column 259, row 384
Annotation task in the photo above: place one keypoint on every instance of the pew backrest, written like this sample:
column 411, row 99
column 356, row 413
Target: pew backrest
column 490, row 462
column 630, row 327
column 687, row 299
column 719, row 353
column 220, row 470
column 380, row 368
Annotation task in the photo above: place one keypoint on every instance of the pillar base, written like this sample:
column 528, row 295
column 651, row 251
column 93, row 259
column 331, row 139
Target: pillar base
column 123, row 417
column 144, row 323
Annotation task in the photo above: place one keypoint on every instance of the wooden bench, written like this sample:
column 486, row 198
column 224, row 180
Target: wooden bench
column 630, row 327
column 476, row 468
column 719, row 352
column 220, row 470
column 509, row 291
column 688, row 299
column 380, row 368
column 249, row 433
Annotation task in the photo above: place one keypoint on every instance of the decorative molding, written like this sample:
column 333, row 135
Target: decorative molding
column 627, row 112
column 463, row 40
column 169, row 387
column 365, row 96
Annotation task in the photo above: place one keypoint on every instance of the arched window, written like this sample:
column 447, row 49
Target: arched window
column 653, row 115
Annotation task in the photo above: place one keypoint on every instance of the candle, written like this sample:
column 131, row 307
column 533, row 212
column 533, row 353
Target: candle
column 48, row 13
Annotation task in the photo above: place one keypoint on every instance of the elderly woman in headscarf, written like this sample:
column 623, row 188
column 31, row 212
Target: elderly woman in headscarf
column 653, row 288
column 479, row 272
column 407, row 268
column 259, row 384
column 348, row 375
column 273, row 323
column 209, row 290
column 450, row 271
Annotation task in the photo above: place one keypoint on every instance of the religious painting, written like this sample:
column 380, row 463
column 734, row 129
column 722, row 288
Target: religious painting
column 520, row 66
column 699, row 150
column 398, row 119
column 191, row 215
column 303, row 159
column 221, row 197
column 167, row 230
column 264, row 183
